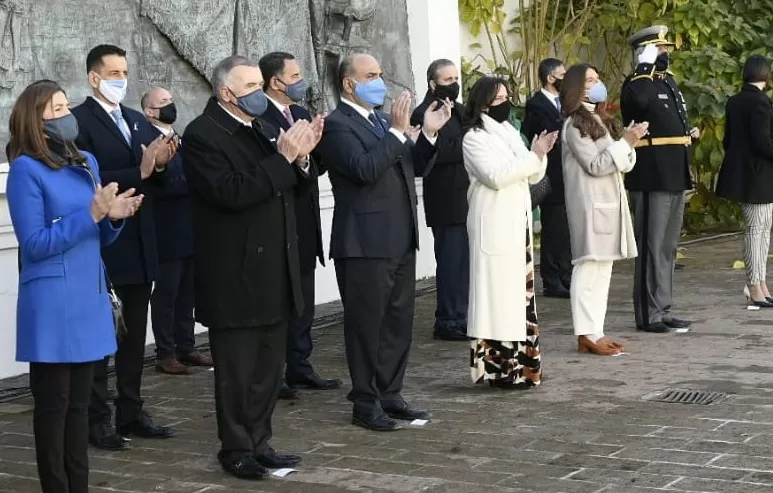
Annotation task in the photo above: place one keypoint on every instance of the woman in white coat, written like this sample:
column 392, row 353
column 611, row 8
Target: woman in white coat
column 502, row 317
column 600, row 226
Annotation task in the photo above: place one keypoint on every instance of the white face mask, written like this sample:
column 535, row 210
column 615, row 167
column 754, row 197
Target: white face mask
column 113, row 90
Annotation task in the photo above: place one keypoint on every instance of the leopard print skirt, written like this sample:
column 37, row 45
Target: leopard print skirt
column 511, row 364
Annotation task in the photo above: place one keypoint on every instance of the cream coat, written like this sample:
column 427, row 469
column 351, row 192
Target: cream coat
column 600, row 223
column 500, row 168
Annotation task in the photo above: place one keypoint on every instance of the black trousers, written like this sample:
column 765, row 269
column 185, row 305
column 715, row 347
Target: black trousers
column 129, row 361
column 555, row 249
column 452, row 277
column 299, row 343
column 248, row 373
column 171, row 309
column 61, row 424
column 378, row 298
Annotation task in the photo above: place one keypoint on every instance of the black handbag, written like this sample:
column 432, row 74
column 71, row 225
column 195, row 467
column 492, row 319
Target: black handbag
column 539, row 191
column 117, row 306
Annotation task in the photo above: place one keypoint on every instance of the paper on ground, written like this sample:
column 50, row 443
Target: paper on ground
column 280, row 473
column 419, row 422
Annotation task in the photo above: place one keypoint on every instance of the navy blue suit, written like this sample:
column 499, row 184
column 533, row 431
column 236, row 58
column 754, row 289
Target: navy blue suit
column 309, row 229
column 132, row 261
column 172, row 301
column 374, row 241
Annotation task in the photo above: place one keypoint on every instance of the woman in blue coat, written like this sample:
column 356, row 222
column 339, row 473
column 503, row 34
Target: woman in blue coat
column 62, row 217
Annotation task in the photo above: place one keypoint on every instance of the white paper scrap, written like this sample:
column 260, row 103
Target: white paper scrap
column 419, row 422
column 619, row 354
column 752, row 307
column 212, row 369
column 682, row 330
column 280, row 473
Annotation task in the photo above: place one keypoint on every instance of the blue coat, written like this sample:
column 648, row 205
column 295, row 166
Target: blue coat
column 63, row 313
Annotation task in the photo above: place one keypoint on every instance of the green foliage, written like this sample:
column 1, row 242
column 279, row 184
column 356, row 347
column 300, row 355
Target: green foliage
column 713, row 37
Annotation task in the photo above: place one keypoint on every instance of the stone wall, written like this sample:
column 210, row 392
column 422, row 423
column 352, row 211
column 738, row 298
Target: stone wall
column 175, row 43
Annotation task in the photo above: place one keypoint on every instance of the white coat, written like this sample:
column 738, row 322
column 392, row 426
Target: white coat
column 501, row 169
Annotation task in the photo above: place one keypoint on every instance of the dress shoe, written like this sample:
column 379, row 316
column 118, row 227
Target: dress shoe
column 314, row 381
column 450, row 335
column 376, row 421
column 195, row 358
column 143, row 427
column 603, row 347
column 171, row 366
column 272, row 460
column 244, row 467
column 286, row 392
column 103, row 436
column 405, row 412
column 675, row 323
column 556, row 293
column 656, row 328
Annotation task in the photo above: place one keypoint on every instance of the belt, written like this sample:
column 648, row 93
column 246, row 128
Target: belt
column 665, row 141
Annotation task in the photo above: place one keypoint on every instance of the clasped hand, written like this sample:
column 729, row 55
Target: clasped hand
column 157, row 154
column 543, row 143
column 108, row 202
column 301, row 138
column 635, row 131
column 436, row 116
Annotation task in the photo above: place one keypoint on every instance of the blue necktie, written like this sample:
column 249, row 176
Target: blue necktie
column 377, row 124
column 122, row 125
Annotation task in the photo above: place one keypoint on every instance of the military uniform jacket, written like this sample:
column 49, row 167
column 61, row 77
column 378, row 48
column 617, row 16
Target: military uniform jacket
column 655, row 98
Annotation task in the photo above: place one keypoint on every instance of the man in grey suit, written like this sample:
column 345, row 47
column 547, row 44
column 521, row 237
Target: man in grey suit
column 372, row 160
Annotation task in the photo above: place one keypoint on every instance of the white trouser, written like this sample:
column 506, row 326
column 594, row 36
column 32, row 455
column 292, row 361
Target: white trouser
column 589, row 292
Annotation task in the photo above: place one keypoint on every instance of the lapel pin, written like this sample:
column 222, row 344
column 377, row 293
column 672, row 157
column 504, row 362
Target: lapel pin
column 135, row 126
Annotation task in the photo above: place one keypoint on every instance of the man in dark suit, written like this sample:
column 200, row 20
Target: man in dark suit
column 171, row 304
column 132, row 154
column 543, row 113
column 248, row 282
column 660, row 178
column 284, row 87
column 372, row 165
column 445, row 206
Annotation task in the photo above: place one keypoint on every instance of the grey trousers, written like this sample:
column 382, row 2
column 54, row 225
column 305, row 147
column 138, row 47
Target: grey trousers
column 657, row 227
column 756, row 240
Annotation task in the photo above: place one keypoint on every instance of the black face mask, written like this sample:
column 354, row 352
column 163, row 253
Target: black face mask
column 661, row 62
column 167, row 114
column 557, row 83
column 500, row 112
column 451, row 91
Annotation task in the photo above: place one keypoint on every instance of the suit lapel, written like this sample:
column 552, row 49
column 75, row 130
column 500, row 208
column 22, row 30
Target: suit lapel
column 276, row 117
column 134, row 132
column 550, row 105
column 358, row 119
column 108, row 121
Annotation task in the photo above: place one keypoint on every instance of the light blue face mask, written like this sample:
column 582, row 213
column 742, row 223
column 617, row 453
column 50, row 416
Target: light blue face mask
column 373, row 93
column 597, row 93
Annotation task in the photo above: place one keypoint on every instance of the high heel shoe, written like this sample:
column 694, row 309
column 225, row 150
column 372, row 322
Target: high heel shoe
column 767, row 303
column 603, row 347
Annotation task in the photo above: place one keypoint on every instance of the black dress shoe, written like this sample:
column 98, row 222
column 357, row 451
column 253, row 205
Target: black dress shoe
column 143, row 427
column 286, row 392
column 556, row 293
column 450, row 335
column 656, row 328
column 103, row 436
column 244, row 467
column 676, row 323
column 314, row 381
column 272, row 460
column 377, row 421
column 406, row 413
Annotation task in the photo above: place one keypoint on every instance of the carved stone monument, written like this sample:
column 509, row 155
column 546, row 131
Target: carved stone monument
column 175, row 43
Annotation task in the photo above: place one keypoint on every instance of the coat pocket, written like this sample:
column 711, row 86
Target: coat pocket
column 499, row 234
column 39, row 270
column 604, row 218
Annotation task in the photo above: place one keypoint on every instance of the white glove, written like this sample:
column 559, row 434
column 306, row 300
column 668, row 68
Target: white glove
column 649, row 54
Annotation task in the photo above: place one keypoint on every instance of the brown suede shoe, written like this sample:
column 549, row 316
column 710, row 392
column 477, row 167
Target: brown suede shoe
column 195, row 358
column 171, row 366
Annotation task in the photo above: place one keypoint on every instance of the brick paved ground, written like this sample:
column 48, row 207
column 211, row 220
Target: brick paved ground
column 584, row 430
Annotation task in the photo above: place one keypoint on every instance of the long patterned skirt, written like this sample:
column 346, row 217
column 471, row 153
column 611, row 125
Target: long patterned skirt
column 511, row 364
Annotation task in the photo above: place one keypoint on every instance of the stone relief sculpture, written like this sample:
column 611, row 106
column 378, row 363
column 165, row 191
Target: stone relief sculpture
column 10, row 40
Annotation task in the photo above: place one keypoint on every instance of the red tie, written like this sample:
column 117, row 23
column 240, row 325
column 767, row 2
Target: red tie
column 288, row 115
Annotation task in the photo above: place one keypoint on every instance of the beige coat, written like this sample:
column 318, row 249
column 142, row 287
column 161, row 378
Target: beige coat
column 500, row 168
column 600, row 223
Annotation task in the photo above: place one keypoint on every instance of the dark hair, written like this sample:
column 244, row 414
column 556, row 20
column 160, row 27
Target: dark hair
column 346, row 69
column 433, row 68
column 482, row 93
column 26, row 125
column 756, row 69
column 546, row 68
column 94, row 58
column 572, row 98
column 272, row 65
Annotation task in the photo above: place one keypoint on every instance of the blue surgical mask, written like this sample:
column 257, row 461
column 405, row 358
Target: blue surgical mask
column 254, row 103
column 597, row 93
column 113, row 90
column 297, row 90
column 373, row 93
column 63, row 129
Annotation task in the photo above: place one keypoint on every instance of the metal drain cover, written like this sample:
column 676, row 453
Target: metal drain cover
column 683, row 396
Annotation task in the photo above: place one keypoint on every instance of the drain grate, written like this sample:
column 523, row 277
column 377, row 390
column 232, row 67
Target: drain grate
column 683, row 396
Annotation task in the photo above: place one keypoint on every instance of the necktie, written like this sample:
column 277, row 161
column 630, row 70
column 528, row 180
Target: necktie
column 558, row 103
column 122, row 126
column 288, row 115
column 376, row 124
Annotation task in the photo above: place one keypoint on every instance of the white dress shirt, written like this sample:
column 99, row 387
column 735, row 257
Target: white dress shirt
column 553, row 98
column 109, row 110
column 366, row 113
